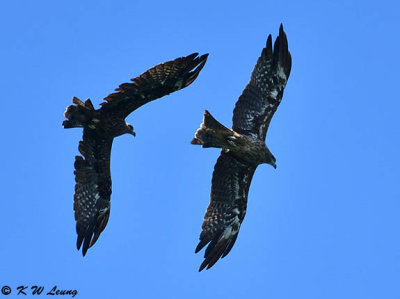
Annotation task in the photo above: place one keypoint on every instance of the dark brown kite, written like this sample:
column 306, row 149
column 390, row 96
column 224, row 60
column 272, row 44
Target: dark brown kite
column 101, row 126
column 243, row 149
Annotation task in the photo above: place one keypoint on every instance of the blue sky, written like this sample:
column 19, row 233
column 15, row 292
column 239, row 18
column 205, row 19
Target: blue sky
column 324, row 224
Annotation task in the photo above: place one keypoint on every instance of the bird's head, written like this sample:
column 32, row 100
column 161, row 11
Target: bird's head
column 129, row 129
column 269, row 158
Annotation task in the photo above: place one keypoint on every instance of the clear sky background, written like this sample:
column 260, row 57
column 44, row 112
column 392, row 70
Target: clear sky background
column 324, row 224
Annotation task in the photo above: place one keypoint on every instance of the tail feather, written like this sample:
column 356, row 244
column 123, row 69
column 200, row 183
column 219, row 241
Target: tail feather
column 211, row 133
column 79, row 114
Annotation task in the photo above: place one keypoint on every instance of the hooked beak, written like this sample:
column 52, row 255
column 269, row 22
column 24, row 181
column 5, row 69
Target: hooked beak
column 273, row 161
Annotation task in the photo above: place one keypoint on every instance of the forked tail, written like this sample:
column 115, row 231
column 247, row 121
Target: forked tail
column 78, row 115
column 212, row 133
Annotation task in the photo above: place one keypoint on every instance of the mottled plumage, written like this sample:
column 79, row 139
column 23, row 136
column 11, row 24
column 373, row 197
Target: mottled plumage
column 100, row 127
column 243, row 149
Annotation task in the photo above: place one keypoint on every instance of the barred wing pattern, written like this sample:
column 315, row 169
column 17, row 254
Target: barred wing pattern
column 261, row 97
column 92, row 189
column 155, row 83
column 232, row 174
column 92, row 171
column 225, row 213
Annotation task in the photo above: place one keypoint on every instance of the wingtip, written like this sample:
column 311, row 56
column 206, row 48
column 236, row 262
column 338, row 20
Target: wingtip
column 204, row 57
column 195, row 57
column 79, row 239
column 282, row 34
column 202, row 266
column 202, row 60
column 281, row 54
column 195, row 54
column 268, row 47
column 84, row 252
column 199, row 247
column 85, row 247
column 83, row 241
column 191, row 56
column 195, row 65
column 79, row 242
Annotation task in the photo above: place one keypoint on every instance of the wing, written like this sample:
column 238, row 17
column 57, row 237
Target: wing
column 225, row 213
column 92, row 189
column 262, row 95
column 153, row 84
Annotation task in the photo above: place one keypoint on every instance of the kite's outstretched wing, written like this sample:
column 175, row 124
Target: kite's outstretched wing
column 225, row 213
column 153, row 84
column 262, row 95
column 92, row 171
column 92, row 189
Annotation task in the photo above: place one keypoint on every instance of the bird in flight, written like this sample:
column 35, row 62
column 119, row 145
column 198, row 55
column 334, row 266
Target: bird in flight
column 101, row 126
column 243, row 149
